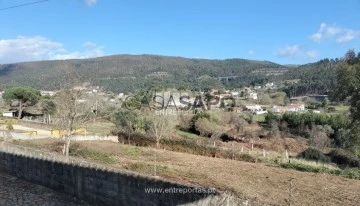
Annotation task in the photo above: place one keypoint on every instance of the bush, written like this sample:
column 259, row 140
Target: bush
column 86, row 153
column 344, row 158
column 314, row 154
column 9, row 126
column 331, row 109
column 74, row 149
column 347, row 173
column 207, row 128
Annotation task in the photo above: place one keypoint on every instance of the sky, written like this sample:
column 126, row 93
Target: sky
column 281, row 31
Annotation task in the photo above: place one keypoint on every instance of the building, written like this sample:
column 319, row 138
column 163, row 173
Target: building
column 237, row 109
column 234, row 94
column 295, row 108
column 47, row 93
column 253, row 108
column 9, row 114
column 269, row 85
column 253, row 95
column 225, row 95
column 261, row 112
column 289, row 108
column 279, row 109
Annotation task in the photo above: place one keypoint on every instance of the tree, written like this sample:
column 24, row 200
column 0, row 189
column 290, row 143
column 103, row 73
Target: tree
column 72, row 112
column 160, row 128
column 25, row 96
column 348, row 86
column 319, row 138
column 348, row 82
column 124, row 120
column 325, row 103
column 48, row 108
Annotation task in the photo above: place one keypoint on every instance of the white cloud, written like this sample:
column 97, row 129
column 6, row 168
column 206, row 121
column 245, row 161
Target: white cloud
column 311, row 54
column 37, row 48
column 327, row 31
column 296, row 51
column 348, row 36
column 90, row 2
column 89, row 44
column 251, row 52
column 288, row 51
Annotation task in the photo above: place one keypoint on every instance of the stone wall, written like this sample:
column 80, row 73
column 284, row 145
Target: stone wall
column 98, row 184
column 24, row 136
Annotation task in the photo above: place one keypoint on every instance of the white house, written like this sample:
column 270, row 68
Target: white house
column 269, row 85
column 9, row 114
column 47, row 93
column 279, row 109
column 253, row 96
column 261, row 112
column 234, row 94
column 295, row 108
column 253, row 108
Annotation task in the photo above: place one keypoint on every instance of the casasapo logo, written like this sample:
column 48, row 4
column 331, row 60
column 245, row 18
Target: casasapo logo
column 177, row 101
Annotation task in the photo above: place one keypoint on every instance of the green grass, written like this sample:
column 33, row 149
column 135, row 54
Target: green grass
column 100, row 128
column 132, row 150
column 101, row 157
column 28, row 143
column 91, row 154
column 353, row 173
column 186, row 134
column 341, row 108
column 259, row 118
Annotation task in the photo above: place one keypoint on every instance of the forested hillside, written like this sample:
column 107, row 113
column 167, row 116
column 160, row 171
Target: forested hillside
column 313, row 78
column 123, row 73
column 128, row 73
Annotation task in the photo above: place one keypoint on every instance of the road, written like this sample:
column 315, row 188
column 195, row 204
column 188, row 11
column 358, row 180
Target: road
column 17, row 192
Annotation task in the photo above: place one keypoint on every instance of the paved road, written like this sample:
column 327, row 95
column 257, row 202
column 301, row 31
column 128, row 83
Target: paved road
column 16, row 192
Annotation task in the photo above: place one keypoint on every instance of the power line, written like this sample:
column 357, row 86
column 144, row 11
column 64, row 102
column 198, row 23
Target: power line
column 21, row 5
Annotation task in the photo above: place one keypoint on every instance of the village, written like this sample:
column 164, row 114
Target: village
column 257, row 100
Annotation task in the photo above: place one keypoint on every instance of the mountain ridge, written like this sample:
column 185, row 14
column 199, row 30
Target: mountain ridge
column 128, row 73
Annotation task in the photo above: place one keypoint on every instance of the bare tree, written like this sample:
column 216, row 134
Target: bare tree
column 160, row 128
column 72, row 112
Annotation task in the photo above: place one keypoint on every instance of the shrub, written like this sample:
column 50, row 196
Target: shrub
column 185, row 122
column 344, row 158
column 331, row 109
column 207, row 128
column 314, row 154
column 86, row 153
column 9, row 126
column 347, row 173
column 74, row 149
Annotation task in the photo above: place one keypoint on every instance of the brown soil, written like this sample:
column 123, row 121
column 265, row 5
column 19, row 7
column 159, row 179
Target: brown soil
column 256, row 181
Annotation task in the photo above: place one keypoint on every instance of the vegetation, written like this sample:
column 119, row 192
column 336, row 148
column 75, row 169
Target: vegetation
column 353, row 173
column 71, row 114
column 87, row 153
column 313, row 154
column 186, row 134
column 348, row 87
column 24, row 96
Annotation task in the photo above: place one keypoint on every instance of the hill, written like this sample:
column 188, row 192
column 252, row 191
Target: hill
column 129, row 73
column 124, row 73
column 315, row 78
